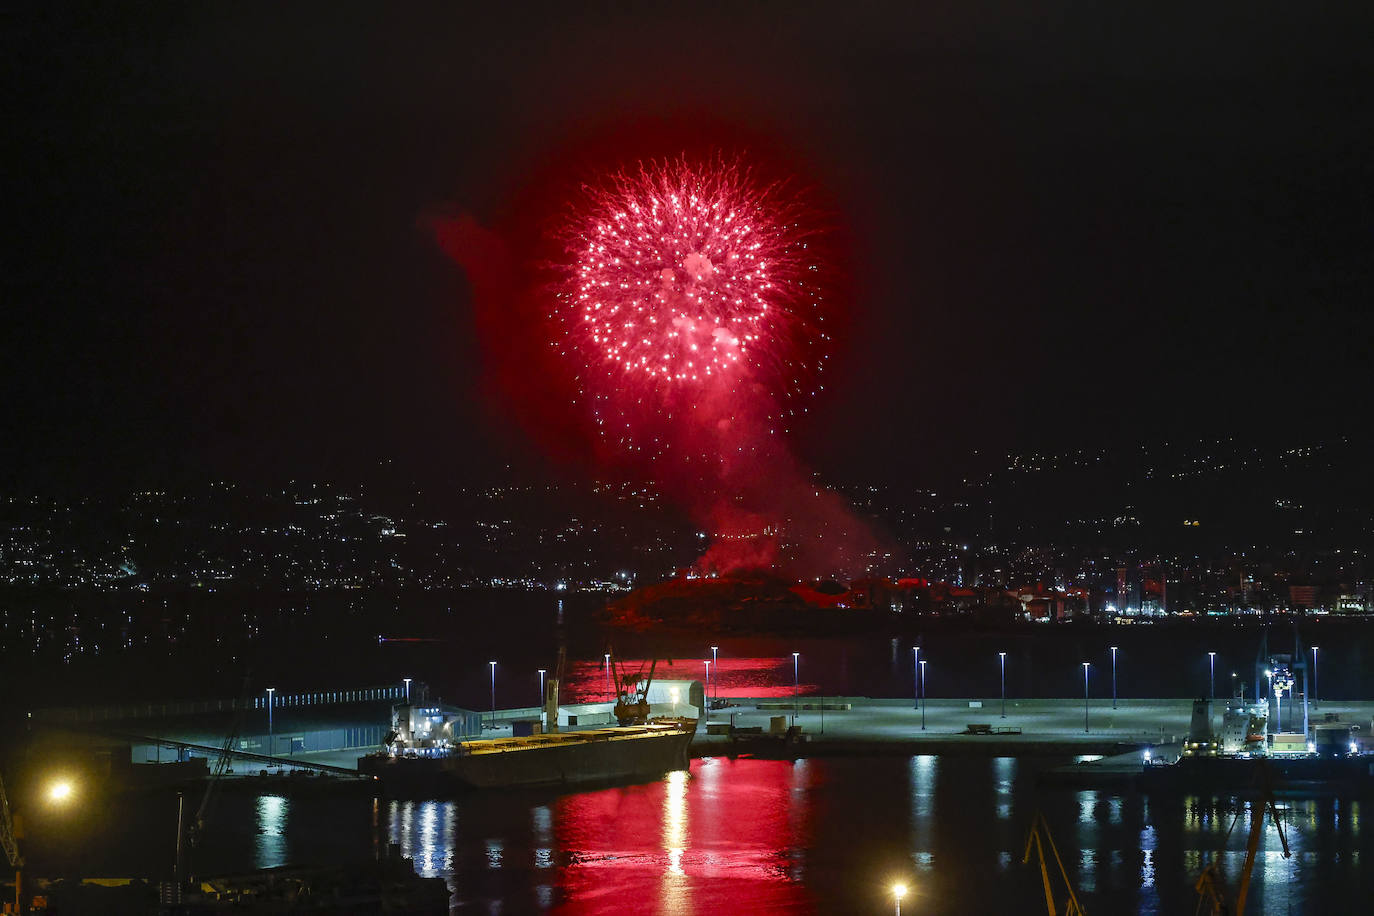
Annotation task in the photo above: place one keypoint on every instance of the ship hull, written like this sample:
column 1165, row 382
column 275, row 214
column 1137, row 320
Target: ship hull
column 607, row 756
column 1298, row 775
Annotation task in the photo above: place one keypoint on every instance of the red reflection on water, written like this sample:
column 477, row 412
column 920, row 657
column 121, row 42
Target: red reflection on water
column 587, row 682
column 731, row 837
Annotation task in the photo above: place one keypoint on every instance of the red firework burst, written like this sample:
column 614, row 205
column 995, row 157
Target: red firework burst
column 688, row 289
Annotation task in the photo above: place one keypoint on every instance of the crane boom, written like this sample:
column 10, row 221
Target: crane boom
column 8, row 835
column 1036, row 840
column 1209, row 885
column 1252, row 845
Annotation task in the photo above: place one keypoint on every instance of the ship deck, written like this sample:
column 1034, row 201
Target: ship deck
column 582, row 736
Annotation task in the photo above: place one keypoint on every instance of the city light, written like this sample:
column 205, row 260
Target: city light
column 60, row 791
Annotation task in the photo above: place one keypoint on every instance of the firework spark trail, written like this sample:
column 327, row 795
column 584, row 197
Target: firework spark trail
column 687, row 295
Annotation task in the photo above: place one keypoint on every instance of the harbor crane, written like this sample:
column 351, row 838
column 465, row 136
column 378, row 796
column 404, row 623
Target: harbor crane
column 1211, row 890
column 632, row 694
column 9, row 839
column 1037, row 839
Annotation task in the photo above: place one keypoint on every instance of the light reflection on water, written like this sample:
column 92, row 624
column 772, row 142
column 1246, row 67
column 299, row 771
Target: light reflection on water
column 924, row 769
column 270, row 846
column 824, row 835
column 672, row 889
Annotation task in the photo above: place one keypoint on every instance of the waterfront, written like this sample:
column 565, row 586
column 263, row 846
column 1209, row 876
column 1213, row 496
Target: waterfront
column 819, row 835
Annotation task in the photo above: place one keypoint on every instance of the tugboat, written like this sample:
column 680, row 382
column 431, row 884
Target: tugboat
column 421, row 758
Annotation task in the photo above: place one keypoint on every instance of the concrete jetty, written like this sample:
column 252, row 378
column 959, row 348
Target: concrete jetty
column 861, row 725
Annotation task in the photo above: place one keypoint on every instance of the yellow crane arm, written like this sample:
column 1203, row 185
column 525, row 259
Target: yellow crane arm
column 1252, row 845
column 1041, row 828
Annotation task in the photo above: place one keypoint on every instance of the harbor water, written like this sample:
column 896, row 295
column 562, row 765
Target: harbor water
column 760, row 836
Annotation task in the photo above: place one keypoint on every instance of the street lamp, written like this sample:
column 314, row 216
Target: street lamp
column 923, row 690
column 707, row 663
column 1269, row 676
column 916, row 673
column 542, row 672
column 1113, row 677
column 58, row 794
column 898, row 892
column 715, row 668
column 1086, row 665
column 1002, row 656
column 407, row 680
column 493, row 693
column 1315, row 698
column 270, row 691
column 608, row 675
column 1212, row 674
column 796, row 693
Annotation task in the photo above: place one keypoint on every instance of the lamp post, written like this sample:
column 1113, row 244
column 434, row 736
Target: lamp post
column 1212, row 674
column 915, row 675
column 796, row 693
column 58, row 794
column 407, row 682
column 542, row 672
column 1269, row 677
column 898, row 892
column 270, row 691
column 707, row 663
column 1002, row 656
column 1233, row 685
column 923, row 690
column 609, row 691
column 1315, row 698
column 493, row 693
column 715, row 668
column 1113, row 677
column 1086, row 665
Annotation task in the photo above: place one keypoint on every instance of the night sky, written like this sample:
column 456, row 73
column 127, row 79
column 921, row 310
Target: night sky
column 1062, row 228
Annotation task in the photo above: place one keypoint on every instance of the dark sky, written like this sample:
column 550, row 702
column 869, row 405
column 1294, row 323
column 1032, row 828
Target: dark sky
column 1068, row 227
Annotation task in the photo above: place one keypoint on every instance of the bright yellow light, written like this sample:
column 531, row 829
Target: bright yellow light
column 899, row 891
column 60, row 791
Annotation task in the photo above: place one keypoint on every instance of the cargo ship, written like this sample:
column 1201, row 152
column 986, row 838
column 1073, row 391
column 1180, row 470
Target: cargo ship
column 1328, row 757
column 1349, row 775
column 598, row 755
column 420, row 755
